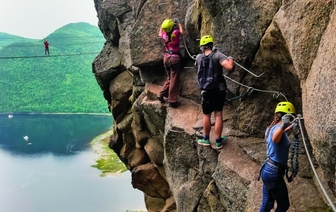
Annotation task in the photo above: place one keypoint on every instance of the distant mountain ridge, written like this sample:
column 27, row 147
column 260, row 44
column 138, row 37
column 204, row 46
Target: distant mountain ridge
column 7, row 39
column 61, row 82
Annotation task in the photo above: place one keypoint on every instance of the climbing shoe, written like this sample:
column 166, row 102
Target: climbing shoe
column 161, row 99
column 221, row 142
column 203, row 142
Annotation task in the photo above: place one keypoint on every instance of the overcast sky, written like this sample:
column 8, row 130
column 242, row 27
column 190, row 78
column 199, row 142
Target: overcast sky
column 38, row 18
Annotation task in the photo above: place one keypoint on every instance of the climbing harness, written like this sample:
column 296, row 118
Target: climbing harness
column 269, row 161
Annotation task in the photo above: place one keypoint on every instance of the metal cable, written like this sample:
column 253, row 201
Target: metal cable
column 245, row 69
column 276, row 94
column 240, row 96
column 313, row 168
column 184, row 42
column 186, row 48
column 47, row 56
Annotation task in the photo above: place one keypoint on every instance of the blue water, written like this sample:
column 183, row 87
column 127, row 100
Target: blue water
column 50, row 170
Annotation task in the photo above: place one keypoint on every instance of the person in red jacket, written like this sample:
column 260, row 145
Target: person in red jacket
column 46, row 47
column 170, row 32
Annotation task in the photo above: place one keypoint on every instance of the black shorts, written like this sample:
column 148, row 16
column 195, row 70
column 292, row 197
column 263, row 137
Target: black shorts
column 212, row 101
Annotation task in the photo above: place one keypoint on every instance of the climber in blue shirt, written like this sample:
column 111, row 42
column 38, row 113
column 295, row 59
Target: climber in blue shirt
column 274, row 167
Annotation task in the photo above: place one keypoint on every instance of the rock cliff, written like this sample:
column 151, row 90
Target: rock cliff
column 291, row 43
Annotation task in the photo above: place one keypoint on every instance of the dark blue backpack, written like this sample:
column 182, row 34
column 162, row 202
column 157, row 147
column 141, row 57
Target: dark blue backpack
column 207, row 76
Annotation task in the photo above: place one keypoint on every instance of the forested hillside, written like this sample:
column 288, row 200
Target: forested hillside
column 7, row 39
column 61, row 82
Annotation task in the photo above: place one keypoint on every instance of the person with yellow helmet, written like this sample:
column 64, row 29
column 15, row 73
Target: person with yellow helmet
column 213, row 98
column 170, row 32
column 274, row 167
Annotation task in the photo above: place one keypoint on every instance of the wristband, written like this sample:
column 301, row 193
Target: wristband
column 229, row 58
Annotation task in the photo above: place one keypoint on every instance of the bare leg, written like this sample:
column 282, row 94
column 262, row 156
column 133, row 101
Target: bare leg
column 207, row 124
column 218, row 123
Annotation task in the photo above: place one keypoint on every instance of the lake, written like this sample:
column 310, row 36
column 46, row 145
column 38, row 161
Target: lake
column 46, row 166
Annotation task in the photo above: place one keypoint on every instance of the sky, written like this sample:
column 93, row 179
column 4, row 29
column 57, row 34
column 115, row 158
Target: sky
column 39, row 18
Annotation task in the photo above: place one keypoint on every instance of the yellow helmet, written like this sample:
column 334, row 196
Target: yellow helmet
column 285, row 107
column 206, row 39
column 167, row 25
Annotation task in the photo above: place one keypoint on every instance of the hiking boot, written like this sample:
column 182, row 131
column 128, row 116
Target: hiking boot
column 161, row 99
column 203, row 142
column 173, row 104
column 221, row 142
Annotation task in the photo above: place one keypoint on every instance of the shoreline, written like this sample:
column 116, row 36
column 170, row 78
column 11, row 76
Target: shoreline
column 104, row 155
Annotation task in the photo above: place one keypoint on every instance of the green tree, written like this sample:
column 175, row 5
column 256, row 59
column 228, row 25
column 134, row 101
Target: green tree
column 61, row 82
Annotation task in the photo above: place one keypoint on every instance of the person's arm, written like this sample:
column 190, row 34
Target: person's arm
column 160, row 32
column 277, row 135
column 283, row 125
column 180, row 28
column 228, row 63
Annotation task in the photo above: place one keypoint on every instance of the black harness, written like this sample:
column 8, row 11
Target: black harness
column 282, row 168
column 172, row 52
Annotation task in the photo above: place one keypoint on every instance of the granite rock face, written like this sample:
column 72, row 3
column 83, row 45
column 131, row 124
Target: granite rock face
column 290, row 48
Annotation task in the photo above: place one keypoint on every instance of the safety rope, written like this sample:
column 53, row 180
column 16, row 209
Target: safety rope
column 295, row 156
column 61, row 43
column 53, row 37
column 48, row 56
column 187, row 50
column 294, row 160
column 245, row 69
column 240, row 96
column 299, row 117
column 180, row 10
column 276, row 94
